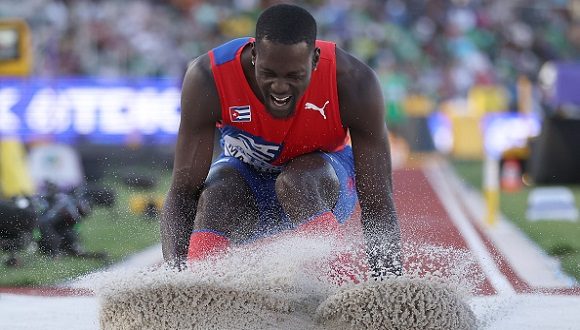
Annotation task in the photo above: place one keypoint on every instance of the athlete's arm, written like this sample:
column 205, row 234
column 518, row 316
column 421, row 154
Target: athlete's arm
column 362, row 112
column 200, row 110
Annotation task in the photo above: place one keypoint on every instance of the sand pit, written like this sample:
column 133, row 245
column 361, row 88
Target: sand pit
column 281, row 285
column 268, row 286
column 397, row 303
column 194, row 306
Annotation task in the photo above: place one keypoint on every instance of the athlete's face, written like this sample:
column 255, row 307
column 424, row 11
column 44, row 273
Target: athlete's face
column 283, row 73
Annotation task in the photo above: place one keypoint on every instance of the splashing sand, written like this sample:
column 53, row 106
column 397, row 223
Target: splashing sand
column 282, row 284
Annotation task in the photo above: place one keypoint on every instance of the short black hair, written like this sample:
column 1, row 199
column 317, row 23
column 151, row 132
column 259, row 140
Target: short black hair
column 286, row 24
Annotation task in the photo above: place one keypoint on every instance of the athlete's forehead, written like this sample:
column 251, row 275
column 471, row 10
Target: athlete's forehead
column 272, row 55
column 265, row 45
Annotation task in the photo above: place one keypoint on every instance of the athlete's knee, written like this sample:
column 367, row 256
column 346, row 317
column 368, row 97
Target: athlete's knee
column 212, row 196
column 312, row 180
column 226, row 202
column 224, row 183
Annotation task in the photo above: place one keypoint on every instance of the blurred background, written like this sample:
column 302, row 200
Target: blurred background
column 89, row 111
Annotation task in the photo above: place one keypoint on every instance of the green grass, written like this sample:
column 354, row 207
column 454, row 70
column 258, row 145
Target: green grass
column 560, row 239
column 116, row 231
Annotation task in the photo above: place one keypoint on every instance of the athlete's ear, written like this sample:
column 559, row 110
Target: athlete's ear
column 315, row 58
column 253, row 52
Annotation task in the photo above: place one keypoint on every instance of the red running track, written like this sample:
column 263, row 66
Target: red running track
column 424, row 220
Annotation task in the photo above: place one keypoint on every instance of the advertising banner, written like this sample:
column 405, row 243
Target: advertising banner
column 101, row 111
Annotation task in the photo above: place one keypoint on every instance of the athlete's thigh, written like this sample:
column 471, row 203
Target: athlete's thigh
column 319, row 182
column 342, row 163
column 308, row 185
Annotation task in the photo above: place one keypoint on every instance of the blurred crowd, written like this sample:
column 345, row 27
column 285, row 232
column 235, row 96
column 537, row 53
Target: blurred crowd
column 438, row 48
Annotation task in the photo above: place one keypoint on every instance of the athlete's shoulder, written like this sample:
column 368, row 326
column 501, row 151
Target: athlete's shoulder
column 202, row 65
column 199, row 70
column 227, row 51
column 359, row 90
column 350, row 69
column 199, row 94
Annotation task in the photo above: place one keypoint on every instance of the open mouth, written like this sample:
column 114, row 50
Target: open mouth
column 281, row 101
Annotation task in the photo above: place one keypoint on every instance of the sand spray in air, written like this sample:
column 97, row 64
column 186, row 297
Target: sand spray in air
column 287, row 283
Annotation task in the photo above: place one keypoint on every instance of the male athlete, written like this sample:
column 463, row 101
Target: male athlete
column 289, row 108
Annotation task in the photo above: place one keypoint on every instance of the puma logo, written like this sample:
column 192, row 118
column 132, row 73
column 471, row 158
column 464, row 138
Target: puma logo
column 310, row 106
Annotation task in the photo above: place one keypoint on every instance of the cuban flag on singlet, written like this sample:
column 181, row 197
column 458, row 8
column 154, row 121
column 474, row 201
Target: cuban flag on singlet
column 240, row 114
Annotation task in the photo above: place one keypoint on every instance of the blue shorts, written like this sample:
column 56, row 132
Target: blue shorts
column 269, row 208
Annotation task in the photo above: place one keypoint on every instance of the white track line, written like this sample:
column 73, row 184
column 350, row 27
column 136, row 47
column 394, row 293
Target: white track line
column 472, row 238
column 531, row 263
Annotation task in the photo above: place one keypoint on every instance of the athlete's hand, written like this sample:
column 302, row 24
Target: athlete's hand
column 177, row 264
column 378, row 274
column 385, row 261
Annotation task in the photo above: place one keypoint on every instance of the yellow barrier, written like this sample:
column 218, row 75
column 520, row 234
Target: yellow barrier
column 467, row 137
column 16, row 54
column 486, row 99
column 15, row 179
